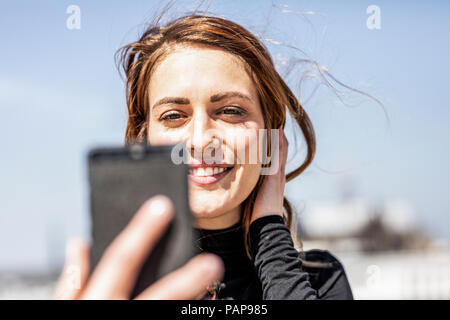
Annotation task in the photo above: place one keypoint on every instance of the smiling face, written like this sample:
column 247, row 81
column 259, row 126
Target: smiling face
column 201, row 95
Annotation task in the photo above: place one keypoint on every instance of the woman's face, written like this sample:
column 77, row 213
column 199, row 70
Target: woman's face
column 204, row 97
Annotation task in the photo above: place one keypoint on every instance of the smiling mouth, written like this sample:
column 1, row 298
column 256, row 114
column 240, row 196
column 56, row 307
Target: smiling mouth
column 204, row 175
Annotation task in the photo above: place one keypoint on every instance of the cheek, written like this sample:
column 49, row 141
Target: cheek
column 245, row 145
column 250, row 174
column 157, row 135
column 246, row 182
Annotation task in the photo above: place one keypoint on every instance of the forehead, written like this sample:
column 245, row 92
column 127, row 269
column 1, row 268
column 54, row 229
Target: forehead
column 198, row 69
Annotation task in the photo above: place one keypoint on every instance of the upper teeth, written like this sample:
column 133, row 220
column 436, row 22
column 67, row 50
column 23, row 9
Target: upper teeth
column 207, row 171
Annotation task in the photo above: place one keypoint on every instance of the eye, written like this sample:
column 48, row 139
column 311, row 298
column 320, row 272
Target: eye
column 171, row 116
column 232, row 111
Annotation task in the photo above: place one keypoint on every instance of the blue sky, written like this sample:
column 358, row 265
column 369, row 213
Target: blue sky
column 60, row 94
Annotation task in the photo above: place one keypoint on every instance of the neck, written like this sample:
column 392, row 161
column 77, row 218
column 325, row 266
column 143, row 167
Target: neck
column 222, row 221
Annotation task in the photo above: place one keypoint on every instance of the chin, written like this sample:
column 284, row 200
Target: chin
column 204, row 204
column 217, row 200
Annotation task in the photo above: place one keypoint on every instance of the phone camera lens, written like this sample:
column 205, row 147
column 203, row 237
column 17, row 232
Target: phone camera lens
column 137, row 151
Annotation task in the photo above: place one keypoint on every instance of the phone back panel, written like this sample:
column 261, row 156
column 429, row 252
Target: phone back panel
column 121, row 180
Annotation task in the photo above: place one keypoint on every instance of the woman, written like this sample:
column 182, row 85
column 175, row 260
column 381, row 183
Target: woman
column 202, row 80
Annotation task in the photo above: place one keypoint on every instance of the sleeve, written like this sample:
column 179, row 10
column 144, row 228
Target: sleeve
column 277, row 261
column 330, row 280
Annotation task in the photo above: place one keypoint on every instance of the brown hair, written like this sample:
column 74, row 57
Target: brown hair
column 138, row 60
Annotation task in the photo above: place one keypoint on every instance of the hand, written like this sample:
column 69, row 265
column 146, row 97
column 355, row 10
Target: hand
column 270, row 197
column 117, row 271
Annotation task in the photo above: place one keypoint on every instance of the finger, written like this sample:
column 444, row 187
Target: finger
column 75, row 273
column 281, row 151
column 285, row 145
column 188, row 282
column 118, row 268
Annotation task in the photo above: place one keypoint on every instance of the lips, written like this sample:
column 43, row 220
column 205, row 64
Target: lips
column 203, row 174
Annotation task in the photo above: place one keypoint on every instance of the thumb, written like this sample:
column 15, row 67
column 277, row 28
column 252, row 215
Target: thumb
column 75, row 273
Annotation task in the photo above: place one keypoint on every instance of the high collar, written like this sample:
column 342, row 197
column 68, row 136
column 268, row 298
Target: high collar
column 228, row 243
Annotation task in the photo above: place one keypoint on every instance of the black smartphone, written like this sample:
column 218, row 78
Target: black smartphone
column 121, row 179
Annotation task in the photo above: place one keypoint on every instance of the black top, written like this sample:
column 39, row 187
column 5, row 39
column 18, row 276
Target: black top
column 276, row 270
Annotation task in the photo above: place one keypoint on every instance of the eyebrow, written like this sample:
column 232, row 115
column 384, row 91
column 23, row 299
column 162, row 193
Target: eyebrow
column 214, row 98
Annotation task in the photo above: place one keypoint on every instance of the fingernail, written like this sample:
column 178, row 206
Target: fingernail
column 160, row 206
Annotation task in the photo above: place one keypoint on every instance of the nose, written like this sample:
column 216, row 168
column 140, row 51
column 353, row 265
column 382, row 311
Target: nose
column 202, row 137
